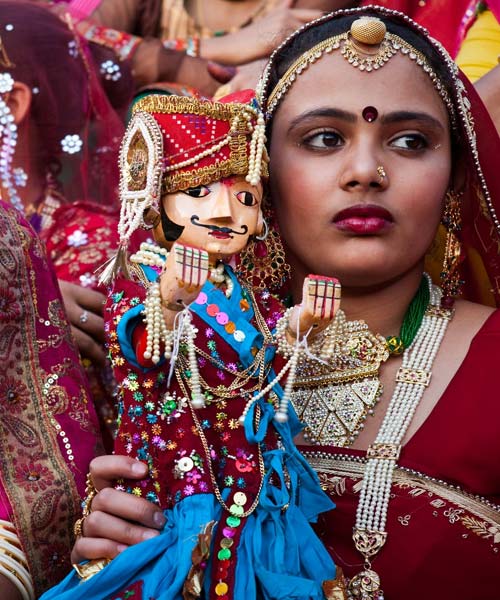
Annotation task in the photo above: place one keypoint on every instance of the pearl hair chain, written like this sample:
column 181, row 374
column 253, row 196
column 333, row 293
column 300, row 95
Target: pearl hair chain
column 8, row 137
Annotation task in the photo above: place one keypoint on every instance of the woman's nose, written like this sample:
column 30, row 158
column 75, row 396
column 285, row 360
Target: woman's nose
column 363, row 169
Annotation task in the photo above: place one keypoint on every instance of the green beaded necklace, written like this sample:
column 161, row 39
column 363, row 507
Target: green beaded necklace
column 396, row 344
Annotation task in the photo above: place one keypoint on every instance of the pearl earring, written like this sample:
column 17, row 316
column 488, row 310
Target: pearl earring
column 8, row 137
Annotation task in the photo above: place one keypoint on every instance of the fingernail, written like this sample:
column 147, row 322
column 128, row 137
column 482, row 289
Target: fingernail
column 150, row 533
column 121, row 547
column 139, row 468
column 159, row 519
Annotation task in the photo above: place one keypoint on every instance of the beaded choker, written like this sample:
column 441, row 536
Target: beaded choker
column 396, row 344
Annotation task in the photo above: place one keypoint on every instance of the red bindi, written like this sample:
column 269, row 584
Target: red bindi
column 370, row 113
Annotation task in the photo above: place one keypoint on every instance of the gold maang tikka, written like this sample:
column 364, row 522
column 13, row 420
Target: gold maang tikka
column 367, row 46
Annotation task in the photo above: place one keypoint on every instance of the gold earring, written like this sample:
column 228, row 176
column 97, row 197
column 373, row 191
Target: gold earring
column 450, row 273
column 262, row 264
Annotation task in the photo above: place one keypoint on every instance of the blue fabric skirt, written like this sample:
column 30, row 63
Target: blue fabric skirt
column 279, row 556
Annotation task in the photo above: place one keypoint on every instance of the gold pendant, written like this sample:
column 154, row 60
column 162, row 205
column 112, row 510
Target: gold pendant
column 336, row 393
column 335, row 413
column 365, row 586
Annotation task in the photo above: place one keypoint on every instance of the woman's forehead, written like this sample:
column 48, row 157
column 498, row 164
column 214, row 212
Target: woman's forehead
column 332, row 81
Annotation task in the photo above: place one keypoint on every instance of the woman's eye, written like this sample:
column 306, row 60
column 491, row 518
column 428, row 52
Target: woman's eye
column 246, row 198
column 323, row 139
column 197, row 192
column 410, row 142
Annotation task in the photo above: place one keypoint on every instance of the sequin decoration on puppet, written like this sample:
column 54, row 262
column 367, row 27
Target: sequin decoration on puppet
column 194, row 352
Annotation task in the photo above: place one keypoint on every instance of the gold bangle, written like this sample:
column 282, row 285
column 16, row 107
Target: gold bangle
column 92, row 567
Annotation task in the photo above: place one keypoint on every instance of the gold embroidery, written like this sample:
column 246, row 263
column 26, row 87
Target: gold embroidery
column 482, row 528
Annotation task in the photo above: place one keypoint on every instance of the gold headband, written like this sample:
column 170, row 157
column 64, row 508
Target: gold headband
column 369, row 31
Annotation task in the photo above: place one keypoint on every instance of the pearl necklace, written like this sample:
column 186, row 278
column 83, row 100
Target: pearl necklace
column 411, row 380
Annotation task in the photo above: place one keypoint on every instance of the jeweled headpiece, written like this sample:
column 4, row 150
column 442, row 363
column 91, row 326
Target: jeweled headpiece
column 174, row 143
column 367, row 46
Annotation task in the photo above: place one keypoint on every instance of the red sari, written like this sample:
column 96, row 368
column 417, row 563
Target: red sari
column 443, row 522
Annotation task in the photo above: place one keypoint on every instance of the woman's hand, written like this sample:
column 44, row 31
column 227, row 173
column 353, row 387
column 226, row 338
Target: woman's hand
column 258, row 39
column 8, row 591
column 84, row 309
column 117, row 519
column 246, row 78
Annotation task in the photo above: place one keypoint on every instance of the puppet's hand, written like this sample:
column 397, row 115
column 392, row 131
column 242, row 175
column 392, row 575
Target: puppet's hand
column 185, row 274
column 320, row 302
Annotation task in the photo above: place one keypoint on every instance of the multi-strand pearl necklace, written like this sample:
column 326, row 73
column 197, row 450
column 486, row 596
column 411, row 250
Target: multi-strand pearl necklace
column 411, row 380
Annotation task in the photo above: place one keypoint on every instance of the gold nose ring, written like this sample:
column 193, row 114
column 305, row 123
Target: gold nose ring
column 381, row 173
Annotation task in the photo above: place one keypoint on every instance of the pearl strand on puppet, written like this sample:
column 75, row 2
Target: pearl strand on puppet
column 150, row 255
column 218, row 275
column 197, row 398
column 156, row 328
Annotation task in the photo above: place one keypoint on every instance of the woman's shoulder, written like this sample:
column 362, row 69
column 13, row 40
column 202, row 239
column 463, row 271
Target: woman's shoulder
column 476, row 319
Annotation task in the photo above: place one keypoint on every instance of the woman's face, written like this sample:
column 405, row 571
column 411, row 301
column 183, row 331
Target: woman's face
column 359, row 200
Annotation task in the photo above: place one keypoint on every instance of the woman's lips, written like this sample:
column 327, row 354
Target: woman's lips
column 363, row 219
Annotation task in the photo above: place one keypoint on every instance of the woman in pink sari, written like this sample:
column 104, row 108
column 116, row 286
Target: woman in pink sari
column 48, row 427
column 60, row 153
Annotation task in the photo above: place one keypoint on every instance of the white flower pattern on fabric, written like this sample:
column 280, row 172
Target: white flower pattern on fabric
column 78, row 238
column 88, row 280
column 110, row 70
column 73, row 48
column 71, row 144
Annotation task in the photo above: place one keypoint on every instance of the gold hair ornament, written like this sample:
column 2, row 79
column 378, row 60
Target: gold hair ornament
column 369, row 31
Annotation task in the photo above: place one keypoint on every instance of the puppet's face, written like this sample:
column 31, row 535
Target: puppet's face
column 219, row 217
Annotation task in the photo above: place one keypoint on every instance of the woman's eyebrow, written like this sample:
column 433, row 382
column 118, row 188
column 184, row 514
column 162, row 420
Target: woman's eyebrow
column 331, row 112
column 401, row 116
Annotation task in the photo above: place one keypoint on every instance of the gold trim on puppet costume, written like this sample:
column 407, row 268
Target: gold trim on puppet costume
column 241, row 161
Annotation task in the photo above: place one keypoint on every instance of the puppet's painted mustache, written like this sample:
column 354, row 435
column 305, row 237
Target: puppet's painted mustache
column 195, row 220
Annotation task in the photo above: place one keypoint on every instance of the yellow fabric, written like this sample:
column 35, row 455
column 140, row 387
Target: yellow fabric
column 481, row 47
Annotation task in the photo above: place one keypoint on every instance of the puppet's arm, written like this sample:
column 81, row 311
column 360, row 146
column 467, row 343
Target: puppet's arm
column 186, row 272
column 320, row 302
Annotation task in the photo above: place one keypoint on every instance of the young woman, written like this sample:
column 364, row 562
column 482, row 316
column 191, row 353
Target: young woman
column 374, row 141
